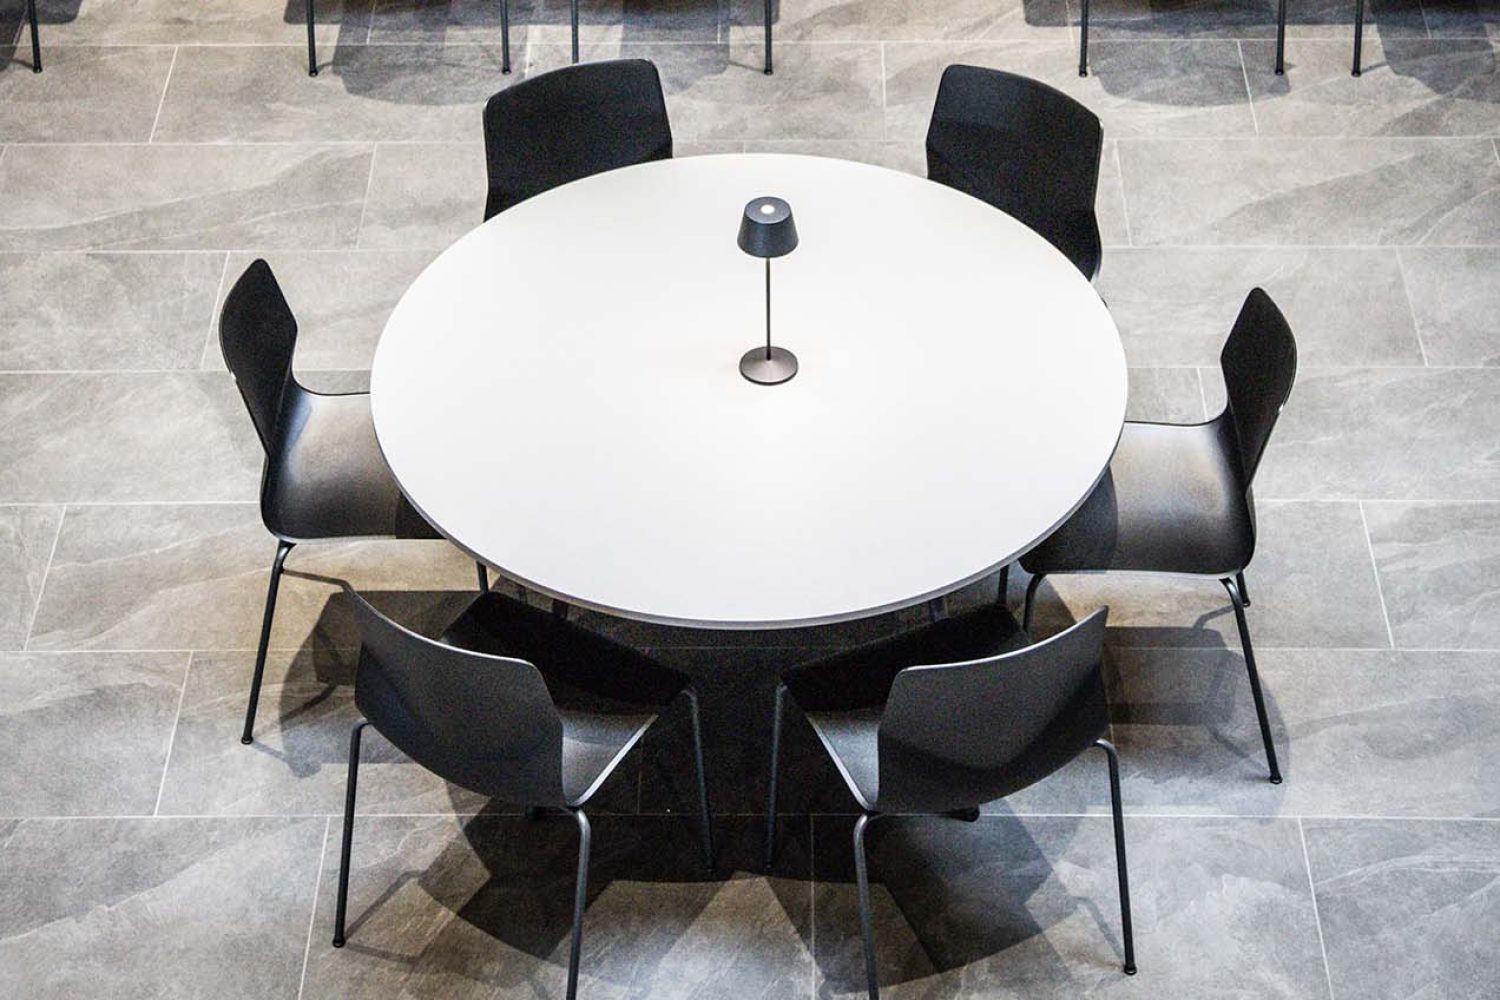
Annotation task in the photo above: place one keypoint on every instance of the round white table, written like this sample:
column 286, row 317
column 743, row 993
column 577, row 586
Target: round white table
column 559, row 393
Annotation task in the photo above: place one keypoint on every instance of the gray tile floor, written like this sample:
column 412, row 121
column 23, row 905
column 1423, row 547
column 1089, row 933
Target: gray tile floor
column 146, row 853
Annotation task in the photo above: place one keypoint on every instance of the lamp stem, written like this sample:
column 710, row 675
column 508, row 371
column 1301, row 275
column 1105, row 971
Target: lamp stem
column 768, row 309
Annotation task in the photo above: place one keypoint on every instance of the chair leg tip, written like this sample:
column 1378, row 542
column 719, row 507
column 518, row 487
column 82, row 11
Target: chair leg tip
column 1130, row 969
column 246, row 740
column 338, row 942
column 1276, row 778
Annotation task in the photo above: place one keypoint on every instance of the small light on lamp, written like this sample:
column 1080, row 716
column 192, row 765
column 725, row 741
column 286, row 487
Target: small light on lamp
column 767, row 230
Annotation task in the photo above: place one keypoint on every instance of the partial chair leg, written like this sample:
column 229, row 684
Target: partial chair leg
column 1359, row 33
column 560, row 609
column 708, row 821
column 866, row 920
column 1239, row 581
column 768, row 37
column 1238, row 601
column 580, row 901
column 1083, row 40
column 1126, row 933
column 937, row 609
column 1030, row 605
column 1281, row 38
column 36, row 43
column 1004, row 587
column 484, row 578
column 575, row 30
column 312, row 46
column 349, row 788
column 775, row 768
column 282, row 548
column 504, row 42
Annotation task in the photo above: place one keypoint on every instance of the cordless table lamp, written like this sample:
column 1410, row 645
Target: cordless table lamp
column 767, row 230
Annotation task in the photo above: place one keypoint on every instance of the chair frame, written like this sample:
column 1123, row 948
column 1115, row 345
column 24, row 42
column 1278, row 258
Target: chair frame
column 1083, row 38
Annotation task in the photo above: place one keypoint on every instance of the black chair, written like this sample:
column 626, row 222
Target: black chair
column 1083, row 38
column 1359, row 35
column 958, row 713
column 1028, row 149
column 515, row 704
column 36, row 44
column 1176, row 497
column 324, row 475
column 572, row 123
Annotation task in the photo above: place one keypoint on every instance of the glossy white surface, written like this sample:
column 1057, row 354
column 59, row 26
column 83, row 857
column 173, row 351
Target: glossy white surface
column 559, row 393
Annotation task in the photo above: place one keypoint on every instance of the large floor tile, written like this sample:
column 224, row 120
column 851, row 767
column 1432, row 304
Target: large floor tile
column 105, row 311
column 1030, row 908
column 193, row 576
column 1167, row 395
column 157, row 908
column 95, row 437
column 1137, row 89
column 157, row 22
column 1109, row 202
column 546, row 21
column 26, row 538
column 423, row 195
column 85, row 95
column 1455, row 300
column 1332, row 19
column 1176, row 307
column 1439, row 568
column 1302, row 191
column 482, row 908
column 896, row 20
column 86, row 733
column 1408, row 909
column 1462, row 18
column 180, row 197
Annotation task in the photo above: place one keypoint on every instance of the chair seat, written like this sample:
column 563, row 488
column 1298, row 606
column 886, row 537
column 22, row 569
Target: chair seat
column 330, row 479
column 1170, row 503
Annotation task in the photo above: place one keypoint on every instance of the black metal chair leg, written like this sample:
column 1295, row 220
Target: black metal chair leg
column 1030, row 605
column 282, row 548
column 768, row 37
column 484, row 578
column 312, row 46
column 1260, row 702
column 580, row 901
column 1003, row 589
column 866, row 920
column 1127, row 934
column 560, row 608
column 775, row 768
column 575, row 30
column 937, row 609
column 1281, row 38
column 707, row 816
column 1083, row 40
column 36, row 43
column 349, row 790
column 504, row 42
column 1239, row 580
column 1359, row 33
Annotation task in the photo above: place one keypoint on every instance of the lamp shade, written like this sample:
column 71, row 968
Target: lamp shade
column 767, row 228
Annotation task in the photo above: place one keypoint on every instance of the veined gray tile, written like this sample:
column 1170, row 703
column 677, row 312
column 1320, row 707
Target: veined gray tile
column 1384, row 434
column 1168, row 395
column 1008, row 907
column 441, row 906
column 1248, row 19
column 1109, row 203
column 86, row 95
column 1462, row 18
column 547, row 21
column 1439, row 568
column 362, row 93
column 193, row 576
column 104, row 311
column 26, row 538
column 1176, row 306
column 895, row 20
column 423, row 195
column 1311, row 584
column 98, row 437
column 85, row 733
column 908, row 157
column 180, row 197
column 1455, row 296
column 706, row 147
column 1136, row 88
column 1326, row 192
column 1408, row 909
column 168, row 22
column 169, row 908
column 341, row 300
column 1410, row 86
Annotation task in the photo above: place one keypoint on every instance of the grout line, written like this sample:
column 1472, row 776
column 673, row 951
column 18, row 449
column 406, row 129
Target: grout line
column 1375, row 567
column 213, row 314
column 166, row 85
column 1124, row 202
column 312, row 919
column 1317, row 919
column 46, row 575
column 172, row 736
column 1249, row 95
column 1411, row 310
column 1202, row 391
column 364, row 203
column 1101, row 814
column 885, row 107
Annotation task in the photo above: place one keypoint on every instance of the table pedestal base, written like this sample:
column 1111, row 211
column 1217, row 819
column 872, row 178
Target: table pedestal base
column 780, row 366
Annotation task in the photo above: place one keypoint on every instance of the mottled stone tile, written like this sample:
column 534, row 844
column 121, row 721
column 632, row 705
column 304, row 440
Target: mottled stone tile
column 1030, row 908
column 105, row 311
column 1409, row 86
column 1331, row 19
column 193, row 576
column 472, row 908
column 1176, row 307
column 1311, row 584
column 1166, row 395
column 180, row 197
column 1109, row 202
column 362, row 93
column 1339, row 192
column 894, row 20
column 86, row 733
column 1408, row 909
column 423, row 195
column 26, row 538
column 1136, row 88
column 1455, row 298
column 1462, row 18
column 1439, row 568
column 1393, row 433
column 169, row 22
column 341, row 300
column 86, row 95
column 547, row 21
column 908, row 157
column 159, row 908
column 99, row 437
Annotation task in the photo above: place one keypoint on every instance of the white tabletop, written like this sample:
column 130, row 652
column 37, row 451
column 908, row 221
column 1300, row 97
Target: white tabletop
column 559, row 393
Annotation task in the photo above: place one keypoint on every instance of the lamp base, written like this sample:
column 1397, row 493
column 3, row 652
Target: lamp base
column 778, row 368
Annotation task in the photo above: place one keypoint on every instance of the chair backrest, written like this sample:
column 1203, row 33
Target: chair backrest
column 1259, row 362
column 258, row 335
column 958, row 734
column 1026, row 148
column 484, row 722
column 572, row 123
